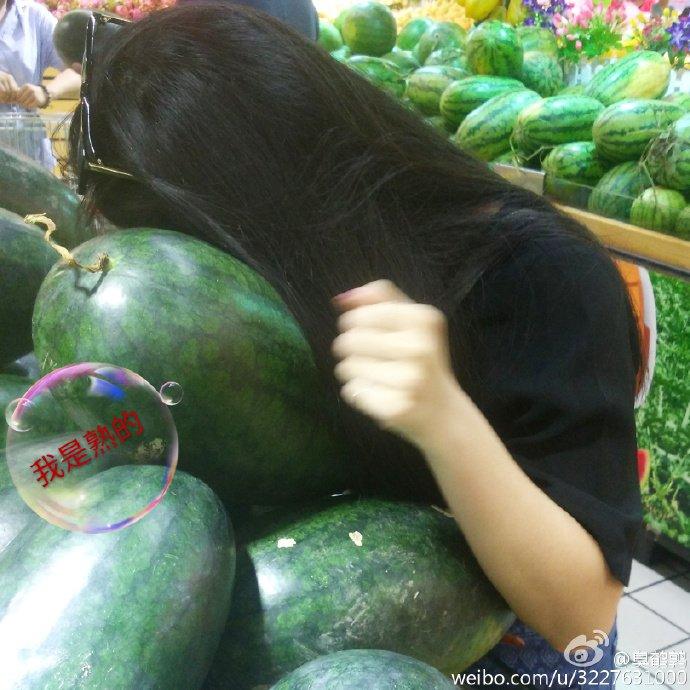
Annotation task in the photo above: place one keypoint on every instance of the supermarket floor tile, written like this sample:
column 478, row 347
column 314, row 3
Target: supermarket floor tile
column 641, row 629
column 670, row 599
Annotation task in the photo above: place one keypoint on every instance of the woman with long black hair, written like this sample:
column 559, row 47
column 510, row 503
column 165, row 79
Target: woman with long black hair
column 486, row 345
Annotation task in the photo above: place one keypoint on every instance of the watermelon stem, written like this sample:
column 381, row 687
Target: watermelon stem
column 99, row 265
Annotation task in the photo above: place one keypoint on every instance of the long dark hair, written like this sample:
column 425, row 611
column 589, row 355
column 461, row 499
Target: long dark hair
column 246, row 135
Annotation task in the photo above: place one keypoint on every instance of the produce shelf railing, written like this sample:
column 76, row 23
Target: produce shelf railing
column 654, row 250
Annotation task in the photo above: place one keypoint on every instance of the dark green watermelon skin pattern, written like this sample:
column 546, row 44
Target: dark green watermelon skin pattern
column 365, row 669
column 28, row 188
column 254, row 422
column 140, row 608
column 25, row 259
column 412, row 587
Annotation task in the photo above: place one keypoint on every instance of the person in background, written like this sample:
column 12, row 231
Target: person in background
column 26, row 51
column 299, row 14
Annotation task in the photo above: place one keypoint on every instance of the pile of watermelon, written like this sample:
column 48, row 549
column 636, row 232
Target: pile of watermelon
column 251, row 571
column 617, row 146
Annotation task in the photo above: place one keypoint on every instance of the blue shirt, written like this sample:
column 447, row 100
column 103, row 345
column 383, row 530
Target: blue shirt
column 26, row 51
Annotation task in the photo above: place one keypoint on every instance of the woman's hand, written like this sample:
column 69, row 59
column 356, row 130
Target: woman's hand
column 8, row 88
column 394, row 360
column 31, row 96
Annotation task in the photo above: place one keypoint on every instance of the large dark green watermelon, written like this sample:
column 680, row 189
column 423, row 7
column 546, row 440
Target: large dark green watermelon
column 254, row 422
column 25, row 259
column 28, row 188
column 357, row 574
column 360, row 669
column 140, row 608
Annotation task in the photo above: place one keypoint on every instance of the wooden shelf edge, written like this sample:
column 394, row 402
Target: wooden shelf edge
column 659, row 250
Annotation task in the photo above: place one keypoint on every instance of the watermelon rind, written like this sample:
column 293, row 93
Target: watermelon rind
column 640, row 74
column 494, row 48
column 615, row 192
column 369, row 28
column 657, row 208
column 623, row 130
column 365, row 669
column 486, row 131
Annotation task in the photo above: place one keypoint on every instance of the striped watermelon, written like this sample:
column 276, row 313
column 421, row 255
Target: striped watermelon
column 572, row 90
column 577, row 161
column 567, row 192
column 426, row 85
column 495, row 48
column 539, row 39
column 555, row 120
column 329, row 36
column 542, row 73
column 463, row 96
column 441, row 35
column 657, row 208
column 412, row 31
column 623, row 130
column 380, row 72
column 342, row 54
column 438, row 123
column 680, row 99
column 404, row 60
column 641, row 74
column 486, row 131
column 454, row 57
column 369, row 28
column 682, row 228
column 614, row 193
column 668, row 159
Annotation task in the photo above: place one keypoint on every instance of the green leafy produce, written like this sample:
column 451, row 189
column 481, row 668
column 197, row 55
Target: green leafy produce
column 358, row 574
column 487, row 130
column 663, row 422
column 369, row 28
column 329, row 36
column 25, row 259
column 173, row 308
column 142, row 607
column 357, row 669
column 542, row 73
column 657, row 209
column 623, row 130
column 640, row 74
column 495, row 48
column 614, row 193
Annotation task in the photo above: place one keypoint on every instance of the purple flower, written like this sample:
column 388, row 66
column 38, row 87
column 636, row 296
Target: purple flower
column 679, row 33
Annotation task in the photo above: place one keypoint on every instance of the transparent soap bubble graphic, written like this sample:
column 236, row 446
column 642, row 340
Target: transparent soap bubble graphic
column 92, row 447
column 171, row 393
column 16, row 414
